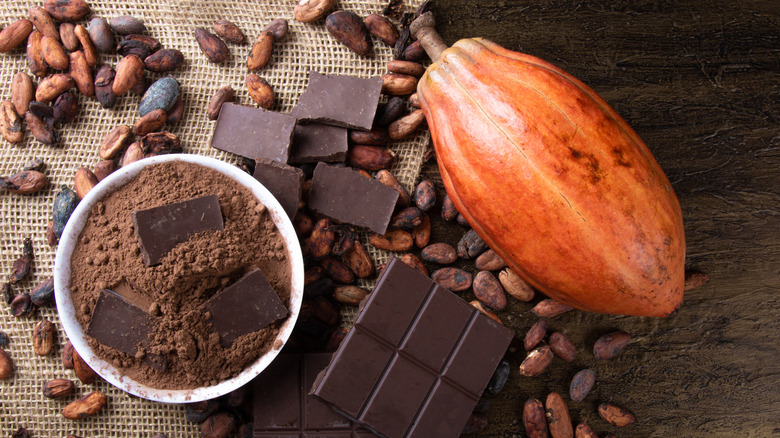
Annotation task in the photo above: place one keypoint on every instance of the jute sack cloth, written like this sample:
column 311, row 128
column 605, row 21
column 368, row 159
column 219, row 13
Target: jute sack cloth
column 307, row 47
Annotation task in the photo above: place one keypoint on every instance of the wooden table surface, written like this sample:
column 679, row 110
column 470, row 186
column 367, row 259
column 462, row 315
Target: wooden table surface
column 700, row 82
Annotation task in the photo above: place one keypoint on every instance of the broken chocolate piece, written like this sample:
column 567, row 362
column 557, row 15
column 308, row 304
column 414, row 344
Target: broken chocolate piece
column 118, row 324
column 283, row 181
column 160, row 229
column 316, row 142
column 253, row 132
column 246, row 306
column 347, row 101
column 348, row 196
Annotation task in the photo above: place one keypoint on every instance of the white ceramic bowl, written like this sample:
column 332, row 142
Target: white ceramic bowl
column 67, row 312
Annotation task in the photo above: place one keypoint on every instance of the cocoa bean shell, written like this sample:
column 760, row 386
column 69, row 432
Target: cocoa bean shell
column 53, row 86
column 134, row 47
column 454, row 279
column 13, row 34
column 129, row 70
column 126, row 25
column 160, row 143
column 162, row 94
column 414, row 52
column 133, row 153
column 151, row 122
column 349, row 294
column 81, row 73
column 488, row 290
column 229, row 31
column 405, row 67
column 610, row 345
column 218, row 425
column 164, row 60
column 415, row 263
column 322, row 239
column 441, row 253
column 359, row 261
column 101, row 35
column 584, row 431
column 534, row 419
column 581, row 384
column 337, row 270
column 43, row 294
column 471, row 245
column 114, row 142
column 407, row 218
column 58, row 388
column 104, row 168
column 21, row 305
column 6, row 365
column 67, row 356
column 385, row 177
column 152, row 42
column 422, row 233
column 695, row 279
column 84, row 181
column 535, row 334
column 374, row 137
column 350, row 30
column 83, row 371
column 414, row 101
column 485, row 311
column 67, row 10
column 211, row 45
column 90, row 51
column 86, row 406
column 514, row 285
column 345, row 239
column 448, row 210
column 176, row 113
column 307, row 11
column 279, row 28
column 397, row 84
column 407, row 125
column 43, row 337
column 198, row 412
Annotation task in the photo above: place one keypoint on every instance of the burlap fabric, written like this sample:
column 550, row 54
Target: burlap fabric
column 308, row 47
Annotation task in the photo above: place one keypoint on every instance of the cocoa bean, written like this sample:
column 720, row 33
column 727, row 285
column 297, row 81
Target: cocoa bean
column 303, row 224
column 228, row 31
column 151, row 42
column 43, row 22
column 14, row 34
column 11, row 127
column 51, row 238
column 26, row 182
column 414, row 262
column 370, row 157
column 43, row 294
column 485, row 311
column 359, row 261
column 348, row 29
column 345, row 239
column 35, row 60
column 90, row 52
column 396, row 84
column 84, row 181
column 515, row 286
column 562, row 346
column 535, row 334
column 393, row 240
column 406, row 68
column 335, row 340
column 499, row 379
column 21, row 266
column 218, row 425
column 425, row 195
column 448, row 210
column 21, row 305
column 134, row 47
column 406, row 125
column 558, row 418
column 139, row 88
column 104, row 168
column 385, row 177
column 407, row 218
column 152, row 121
column 414, row 101
column 454, row 279
column 35, row 164
column 414, row 52
column 695, row 279
column 64, row 204
column 66, row 107
column 489, row 261
column 581, row 384
column 324, row 310
column 279, row 28
column 382, row 28
column 6, row 365
column 133, row 153
column 67, row 10
column 100, row 34
column 422, row 232
column 43, row 111
column 338, row 271
column 537, row 361
column 104, row 90
column 234, row 399
column 160, row 143
column 40, row 130
column 68, row 36
column 440, row 253
column 3, row 340
column 43, row 337
column 390, row 112
column 549, row 308
column 114, row 142
column 129, row 70
column 87, row 405
column 610, row 345
column 312, row 274
column 22, row 92
column 67, row 356
column 488, row 290
column 164, row 60
column 475, row 423
column 83, row 371
column 584, row 431
column 198, row 412
column 176, row 113
column 534, row 419
column 375, row 137
column 214, row 48
column 471, row 245
column 126, row 25
column 58, row 388
column 7, row 293
column 348, row 294
column 260, row 91
column 616, row 415
column 307, row 11
column 224, row 94
column 322, row 239
column 53, row 53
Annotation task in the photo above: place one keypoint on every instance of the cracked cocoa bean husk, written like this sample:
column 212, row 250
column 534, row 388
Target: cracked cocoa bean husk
column 40, row 130
column 43, row 294
column 345, row 239
column 161, row 143
column 11, row 127
column 394, row 8
column 43, row 111
column 21, row 305
column 8, row 293
column 21, row 266
column 26, row 182
column 104, row 80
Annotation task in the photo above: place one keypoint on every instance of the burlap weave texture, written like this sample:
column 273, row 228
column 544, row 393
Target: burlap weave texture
column 307, row 47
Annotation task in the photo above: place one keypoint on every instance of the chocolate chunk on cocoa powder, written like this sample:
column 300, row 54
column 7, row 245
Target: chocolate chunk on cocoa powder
column 283, row 181
column 253, row 132
column 347, row 101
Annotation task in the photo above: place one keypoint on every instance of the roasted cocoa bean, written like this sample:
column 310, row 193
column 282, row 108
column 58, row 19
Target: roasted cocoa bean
column 90, row 52
column 7, row 293
column 414, row 52
column 303, row 224
column 537, row 361
column 476, row 422
column 385, row 177
column 115, row 141
column 152, row 42
column 21, row 266
column 359, row 261
column 584, row 431
column 43, row 337
column 370, row 157
column 224, row 94
column 67, row 10
column 616, row 415
column 152, row 121
column 198, row 412
column 11, row 127
column 535, row 334
column 53, row 53
column 104, row 91
column 348, row 294
column 134, row 47
column 176, row 113
column 35, row 164
column 64, row 204
column 349, row 29
column 260, row 91
column 68, row 36
column 40, row 130
column 228, row 31
column 695, row 279
column 66, row 107
column 549, row 308
column 53, row 86
column 406, row 126
column 471, row 245
column 425, row 195
column 84, row 181
column 279, row 28
column 26, row 182
column 375, row 137
column 43, row 294
column 160, row 143
column 562, row 346
column 390, row 112
column 581, row 385
column 104, row 168
column 382, row 28
column 100, row 34
column 129, row 70
column 515, row 286
column 133, row 153
column 35, row 61
column 337, row 270
column 489, row 261
column 58, row 388
column 218, row 425
column 21, row 305
column 307, row 11
column 393, row 240
column 488, row 290
column 407, row 218
column 126, row 25
column 558, row 418
column 345, row 238
column 422, row 233
column 164, row 60
column 414, row 101
column 262, row 49
column 499, row 379
column 610, row 345
column 324, row 310
column 406, row 68
column 211, row 45
column 14, row 34
column 321, row 286
column 534, row 419
column 441, row 253
column 396, row 84
column 43, row 111
column 6, row 365
column 22, row 92
column 414, row 262
column 322, row 239
column 87, row 405
column 67, row 356
column 312, row 274
column 454, row 279
column 448, row 210
column 83, row 371
column 43, row 22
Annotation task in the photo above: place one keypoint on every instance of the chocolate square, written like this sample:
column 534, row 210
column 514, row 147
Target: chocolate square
column 347, row 101
column 315, row 142
column 283, row 181
column 253, row 132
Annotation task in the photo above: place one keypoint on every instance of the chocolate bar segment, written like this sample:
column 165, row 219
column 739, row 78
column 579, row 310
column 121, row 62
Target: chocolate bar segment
column 283, row 181
column 120, row 325
column 316, row 142
column 160, row 229
column 416, row 361
column 246, row 306
column 282, row 406
column 346, row 101
column 253, row 132
column 348, row 196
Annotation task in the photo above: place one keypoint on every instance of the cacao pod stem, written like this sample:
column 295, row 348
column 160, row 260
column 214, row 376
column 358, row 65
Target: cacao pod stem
column 424, row 29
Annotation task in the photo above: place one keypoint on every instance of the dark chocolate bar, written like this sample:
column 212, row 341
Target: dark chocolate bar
column 348, row 196
column 120, row 325
column 416, row 361
column 246, row 306
column 253, row 132
column 316, row 142
column 160, row 229
column 283, row 181
column 347, row 101
column 283, row 408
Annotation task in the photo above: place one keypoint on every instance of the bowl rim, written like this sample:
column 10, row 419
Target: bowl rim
column 67, row 312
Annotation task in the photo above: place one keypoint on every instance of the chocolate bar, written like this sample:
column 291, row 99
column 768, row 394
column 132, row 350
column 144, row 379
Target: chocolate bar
column 283, row 181
column 283, row 408
column 347, row 101
column 416, row 361
column 316, row 142
column 253, row 132
column 160, row 229
column 120, row 325
column 246, row 306
column 348, row 196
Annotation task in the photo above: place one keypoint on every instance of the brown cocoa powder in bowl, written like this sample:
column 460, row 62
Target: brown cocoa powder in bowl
column 108, row 255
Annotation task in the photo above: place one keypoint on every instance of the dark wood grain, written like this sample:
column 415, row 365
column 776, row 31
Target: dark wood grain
column 700, row 82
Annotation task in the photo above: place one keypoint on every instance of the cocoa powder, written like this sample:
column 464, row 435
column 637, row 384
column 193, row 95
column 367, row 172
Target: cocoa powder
column 108, row 256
